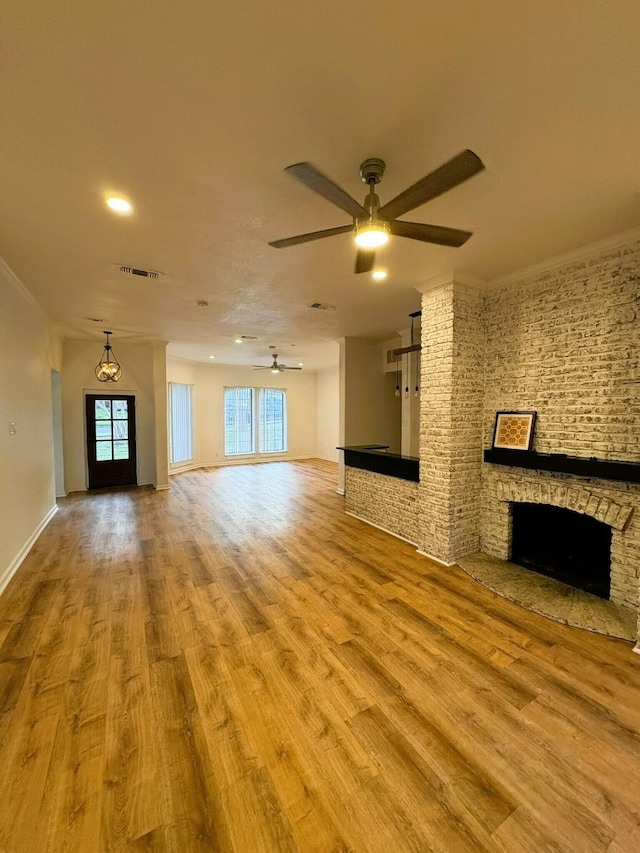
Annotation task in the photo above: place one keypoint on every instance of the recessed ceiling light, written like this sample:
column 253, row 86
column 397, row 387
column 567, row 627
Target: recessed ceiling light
column 301, row 364
column 237, row 340
column 119, row 204
column 379, row 275
column 212, row 356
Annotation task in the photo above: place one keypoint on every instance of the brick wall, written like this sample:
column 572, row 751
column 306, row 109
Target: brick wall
column 451, row 388
column 388, row 502
column 563, row 344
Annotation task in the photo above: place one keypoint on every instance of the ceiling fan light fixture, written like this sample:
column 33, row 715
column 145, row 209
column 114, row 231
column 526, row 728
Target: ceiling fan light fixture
column 372, row 235
column 378, row 275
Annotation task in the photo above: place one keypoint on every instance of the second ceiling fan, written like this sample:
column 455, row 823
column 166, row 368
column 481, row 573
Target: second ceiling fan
column 372, row 223
column 275, row 367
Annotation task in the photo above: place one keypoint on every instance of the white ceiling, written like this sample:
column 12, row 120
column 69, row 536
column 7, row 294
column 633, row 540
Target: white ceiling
column 193, row 109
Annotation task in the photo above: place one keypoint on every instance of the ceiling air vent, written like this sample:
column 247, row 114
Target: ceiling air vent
column 135, row 271
column 322, row 306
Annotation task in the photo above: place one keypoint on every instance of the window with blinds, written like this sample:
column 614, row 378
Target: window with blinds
column 238, row 421
column 273, row 421
column 254, row 416
column 180, row 423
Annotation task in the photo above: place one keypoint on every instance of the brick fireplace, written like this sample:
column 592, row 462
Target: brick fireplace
column 562, row 341
column 612, row 504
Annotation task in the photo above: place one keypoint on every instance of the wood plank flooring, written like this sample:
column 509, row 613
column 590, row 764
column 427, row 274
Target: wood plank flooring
column 236, row 665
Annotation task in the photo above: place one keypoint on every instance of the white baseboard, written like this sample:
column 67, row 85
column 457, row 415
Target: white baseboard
column 28, row 545
column 341, row 492
column 384, row 529
column 636, row 649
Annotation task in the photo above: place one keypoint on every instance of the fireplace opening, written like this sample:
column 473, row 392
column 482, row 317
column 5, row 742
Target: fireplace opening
column 562, row 544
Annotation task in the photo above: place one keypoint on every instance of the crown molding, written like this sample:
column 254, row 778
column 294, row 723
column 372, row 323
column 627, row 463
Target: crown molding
column 11, row 278
column 591, row 250
column 453, row 276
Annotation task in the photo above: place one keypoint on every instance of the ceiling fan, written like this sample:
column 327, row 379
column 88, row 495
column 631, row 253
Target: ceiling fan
column 372, row 224
column 275, row 367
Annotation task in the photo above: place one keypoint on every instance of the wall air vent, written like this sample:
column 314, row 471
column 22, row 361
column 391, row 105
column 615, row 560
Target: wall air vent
column 322, row 306
column 136, row 271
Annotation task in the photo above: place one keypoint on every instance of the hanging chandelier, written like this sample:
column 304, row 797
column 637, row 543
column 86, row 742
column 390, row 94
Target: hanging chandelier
column 108, row 368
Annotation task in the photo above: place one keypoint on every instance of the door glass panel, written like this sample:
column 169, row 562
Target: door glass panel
column 103, row 429
column 104, row 452
column 121, row 449
column 103, row 409
column 120, row 409
column 121, row 429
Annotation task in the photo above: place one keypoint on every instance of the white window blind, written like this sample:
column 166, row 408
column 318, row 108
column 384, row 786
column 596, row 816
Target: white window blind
column 180, row 423
column 238, row 421
column 273, row 421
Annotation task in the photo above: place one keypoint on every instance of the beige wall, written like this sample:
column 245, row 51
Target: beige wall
column 27, row 480
column 328, row 414
column 209, row 382
column 143, row 375
column 372, row 413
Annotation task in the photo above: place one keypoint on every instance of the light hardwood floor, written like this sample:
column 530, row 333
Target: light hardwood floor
column 236, row 665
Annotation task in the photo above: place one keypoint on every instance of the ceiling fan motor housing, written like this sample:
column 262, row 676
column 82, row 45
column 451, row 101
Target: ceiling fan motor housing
column 372, row 170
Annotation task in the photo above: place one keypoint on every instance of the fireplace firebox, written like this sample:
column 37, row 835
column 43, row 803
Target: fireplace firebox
column 571, row 547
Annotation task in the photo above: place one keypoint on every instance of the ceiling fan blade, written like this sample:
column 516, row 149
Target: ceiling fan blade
column 307, row 238
column 446, row 177
column 319, row 183
column 261, row 367
column 429, row 233
column 284, row 367
column 365, row 260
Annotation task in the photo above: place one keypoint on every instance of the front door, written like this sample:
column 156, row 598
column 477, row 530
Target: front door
column 111, row 440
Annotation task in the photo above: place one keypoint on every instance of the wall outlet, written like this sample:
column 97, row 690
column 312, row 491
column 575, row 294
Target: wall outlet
column 12, row 429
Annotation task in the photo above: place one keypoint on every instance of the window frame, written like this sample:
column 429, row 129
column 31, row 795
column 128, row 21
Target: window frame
column 262, row 392
column 258, row 392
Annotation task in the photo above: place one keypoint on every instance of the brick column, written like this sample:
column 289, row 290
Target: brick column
column 451, row 398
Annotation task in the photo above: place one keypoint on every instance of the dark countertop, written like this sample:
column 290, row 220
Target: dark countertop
column 375, row 458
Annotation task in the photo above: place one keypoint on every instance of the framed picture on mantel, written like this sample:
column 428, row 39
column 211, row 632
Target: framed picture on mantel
column 514, row 430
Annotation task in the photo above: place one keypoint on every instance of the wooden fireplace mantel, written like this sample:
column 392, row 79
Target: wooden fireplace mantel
column 605, row 469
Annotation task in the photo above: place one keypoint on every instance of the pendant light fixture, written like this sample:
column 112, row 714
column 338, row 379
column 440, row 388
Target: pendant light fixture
column 416, row 393
column 406, row 387
column 108, row 368
column 397, row 376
